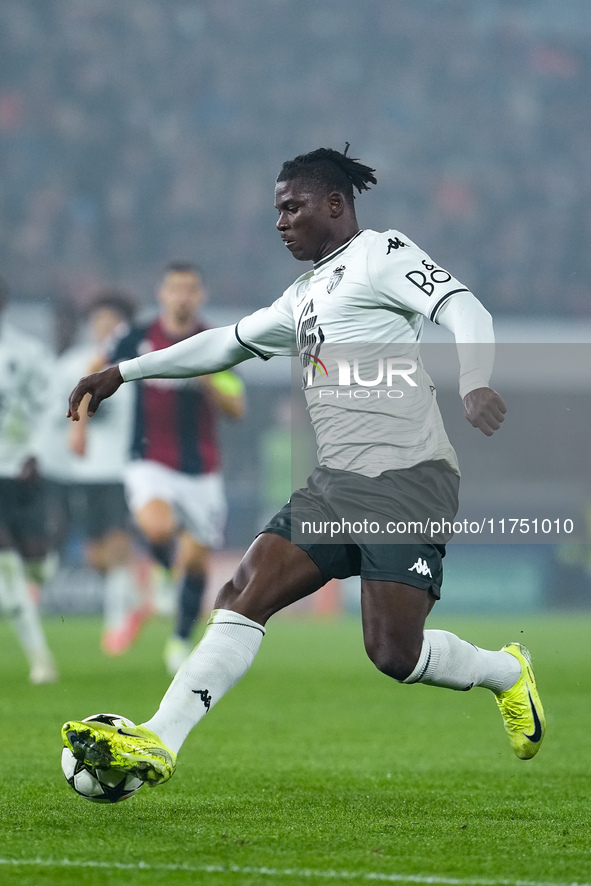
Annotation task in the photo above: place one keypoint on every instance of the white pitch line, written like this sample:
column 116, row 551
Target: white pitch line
column 303, row 874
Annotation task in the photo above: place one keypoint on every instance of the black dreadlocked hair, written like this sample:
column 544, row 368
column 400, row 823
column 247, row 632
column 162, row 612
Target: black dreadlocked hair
column 327, row 170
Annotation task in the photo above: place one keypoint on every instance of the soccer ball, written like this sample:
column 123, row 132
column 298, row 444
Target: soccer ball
column 100, row 785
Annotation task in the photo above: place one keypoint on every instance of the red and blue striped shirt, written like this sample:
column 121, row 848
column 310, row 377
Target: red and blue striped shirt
column 175, row 420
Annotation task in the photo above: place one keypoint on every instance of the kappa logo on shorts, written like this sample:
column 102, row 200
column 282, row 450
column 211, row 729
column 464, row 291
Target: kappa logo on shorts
column 421, row 567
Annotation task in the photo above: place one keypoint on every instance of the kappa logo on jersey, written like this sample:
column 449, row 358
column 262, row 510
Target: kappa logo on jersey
column 336, row 277
column 421, row 567
column 395, row 243
column 427, row 283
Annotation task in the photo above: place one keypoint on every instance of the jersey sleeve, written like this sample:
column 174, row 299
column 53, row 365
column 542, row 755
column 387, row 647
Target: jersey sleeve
column 269, row 331
column 406, row 278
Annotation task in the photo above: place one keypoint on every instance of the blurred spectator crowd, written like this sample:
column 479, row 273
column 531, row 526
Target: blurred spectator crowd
column 132, row 133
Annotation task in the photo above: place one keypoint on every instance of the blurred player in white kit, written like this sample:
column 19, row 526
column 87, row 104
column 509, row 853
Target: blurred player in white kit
column 25, row 368
column 86, row 467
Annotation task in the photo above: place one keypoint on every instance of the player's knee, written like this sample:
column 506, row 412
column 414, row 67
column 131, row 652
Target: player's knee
column 227, row 595
column 158, row 532
column 234, row 595
column 157, row 521
column 397, row 663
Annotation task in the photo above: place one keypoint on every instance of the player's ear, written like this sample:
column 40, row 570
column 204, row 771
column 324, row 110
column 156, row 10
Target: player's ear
column 336, row 204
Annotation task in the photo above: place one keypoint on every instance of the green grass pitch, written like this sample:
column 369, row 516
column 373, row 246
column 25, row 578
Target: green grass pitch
column 315, row 769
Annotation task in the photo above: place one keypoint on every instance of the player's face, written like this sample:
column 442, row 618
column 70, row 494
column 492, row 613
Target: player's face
column 104, row 322
column 180, row 295
column 306, row 221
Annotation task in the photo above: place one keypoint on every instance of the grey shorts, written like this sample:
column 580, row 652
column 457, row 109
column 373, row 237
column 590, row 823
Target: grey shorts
column 335, row 499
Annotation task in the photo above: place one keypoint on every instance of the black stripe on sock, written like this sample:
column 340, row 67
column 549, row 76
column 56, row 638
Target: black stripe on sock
column 254, row 627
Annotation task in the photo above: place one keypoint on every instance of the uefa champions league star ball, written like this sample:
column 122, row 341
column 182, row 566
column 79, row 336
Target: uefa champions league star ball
column 100, row 785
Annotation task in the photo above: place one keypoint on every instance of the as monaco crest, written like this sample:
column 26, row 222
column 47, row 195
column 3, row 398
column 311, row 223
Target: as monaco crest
column 335, row 279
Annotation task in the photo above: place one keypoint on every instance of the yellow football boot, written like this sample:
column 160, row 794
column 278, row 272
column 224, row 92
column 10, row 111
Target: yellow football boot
column 133, row 749
column 521, row 708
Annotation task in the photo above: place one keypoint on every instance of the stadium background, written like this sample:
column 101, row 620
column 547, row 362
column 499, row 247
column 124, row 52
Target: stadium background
column 134, row 133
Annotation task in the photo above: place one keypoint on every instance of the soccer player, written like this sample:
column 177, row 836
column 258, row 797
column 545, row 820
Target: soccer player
column 364, row 287
column 25, row 368
column 85, row 469
column 173, row 479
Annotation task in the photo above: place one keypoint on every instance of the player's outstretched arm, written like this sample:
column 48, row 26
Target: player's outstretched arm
column 99, row 385
column 485, row 410
column 210, row 351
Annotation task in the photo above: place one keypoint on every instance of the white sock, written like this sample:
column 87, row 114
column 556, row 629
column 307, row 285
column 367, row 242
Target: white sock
column 16, row 601
column 120, row 596
column 217, row 663
column 447, row 661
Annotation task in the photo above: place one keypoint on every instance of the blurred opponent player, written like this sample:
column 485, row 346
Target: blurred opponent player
column 364, row 287
column 173, row 481
column 25, row 369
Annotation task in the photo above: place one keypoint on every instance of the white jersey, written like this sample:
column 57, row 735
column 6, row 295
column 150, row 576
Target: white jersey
column 374, row 291
column 25, row 366
column 107, row 433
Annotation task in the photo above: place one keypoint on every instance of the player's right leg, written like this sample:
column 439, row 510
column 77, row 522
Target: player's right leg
column 272, row 574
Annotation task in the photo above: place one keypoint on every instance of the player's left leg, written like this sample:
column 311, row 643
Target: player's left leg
column 394, row 616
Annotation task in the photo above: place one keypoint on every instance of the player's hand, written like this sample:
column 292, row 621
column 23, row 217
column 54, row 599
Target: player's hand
column 99, row 385
column 485, row 410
